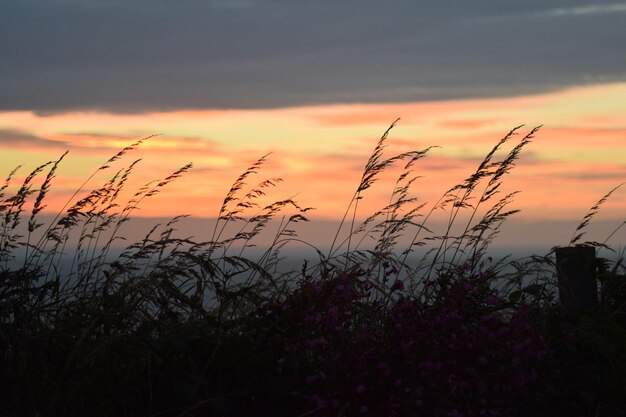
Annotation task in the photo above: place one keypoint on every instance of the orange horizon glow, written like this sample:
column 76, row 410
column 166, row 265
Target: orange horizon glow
column 320, row 151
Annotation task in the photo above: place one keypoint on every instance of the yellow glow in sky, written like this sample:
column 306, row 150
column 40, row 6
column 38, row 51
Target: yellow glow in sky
column 319, row 151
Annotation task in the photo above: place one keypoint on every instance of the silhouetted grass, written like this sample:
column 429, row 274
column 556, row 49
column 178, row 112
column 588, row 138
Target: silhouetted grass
column 172, row 326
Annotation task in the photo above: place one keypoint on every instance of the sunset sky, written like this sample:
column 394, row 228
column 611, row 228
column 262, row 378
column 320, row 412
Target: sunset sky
column 223, row 82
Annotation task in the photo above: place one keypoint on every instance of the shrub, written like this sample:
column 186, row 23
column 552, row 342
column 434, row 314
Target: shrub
column 457, row 352
column 175, row 327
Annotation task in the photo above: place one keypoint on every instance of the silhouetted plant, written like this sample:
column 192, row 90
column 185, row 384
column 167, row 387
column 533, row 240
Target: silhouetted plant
column 173, row 326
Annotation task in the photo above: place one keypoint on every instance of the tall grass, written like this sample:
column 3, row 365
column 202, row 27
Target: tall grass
column 167, row 327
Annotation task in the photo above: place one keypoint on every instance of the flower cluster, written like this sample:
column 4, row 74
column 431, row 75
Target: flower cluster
column 452, row 352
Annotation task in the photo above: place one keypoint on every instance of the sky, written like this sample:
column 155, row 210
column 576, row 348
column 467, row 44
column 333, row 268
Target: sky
column 224, row 82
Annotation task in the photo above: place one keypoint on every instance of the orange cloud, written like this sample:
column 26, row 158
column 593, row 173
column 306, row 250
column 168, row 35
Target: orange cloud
column 320, row 151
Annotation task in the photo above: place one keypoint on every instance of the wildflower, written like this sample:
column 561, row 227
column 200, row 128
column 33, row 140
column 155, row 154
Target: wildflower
column 319, row 402
column 398, row 285
column 492, row 300
column 313, row 343
column 316, row 288
column 428, row 366
column 313, row 318
column 542, row 354
column 311, row 379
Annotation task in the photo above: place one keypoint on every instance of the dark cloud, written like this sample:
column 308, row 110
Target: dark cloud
column 147, row 55
column 16, row 138
column 160, row 143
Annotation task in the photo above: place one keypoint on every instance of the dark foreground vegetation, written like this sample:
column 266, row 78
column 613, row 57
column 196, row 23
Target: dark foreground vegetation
column 177, row 327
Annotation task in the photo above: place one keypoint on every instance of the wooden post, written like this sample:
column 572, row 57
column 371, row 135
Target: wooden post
column 576, row 273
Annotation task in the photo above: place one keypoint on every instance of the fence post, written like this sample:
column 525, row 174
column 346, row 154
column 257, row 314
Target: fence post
column 576, row 273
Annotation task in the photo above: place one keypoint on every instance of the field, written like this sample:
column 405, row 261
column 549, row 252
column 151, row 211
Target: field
column 392, row 318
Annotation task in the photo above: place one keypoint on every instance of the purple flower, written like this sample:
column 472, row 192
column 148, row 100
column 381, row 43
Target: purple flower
column 397, row 285
column 316, row 288
column 313, row 343
column 311, row 379
column 428, row 366
column 313, row 318
column 492, row 300
column 319, row 402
